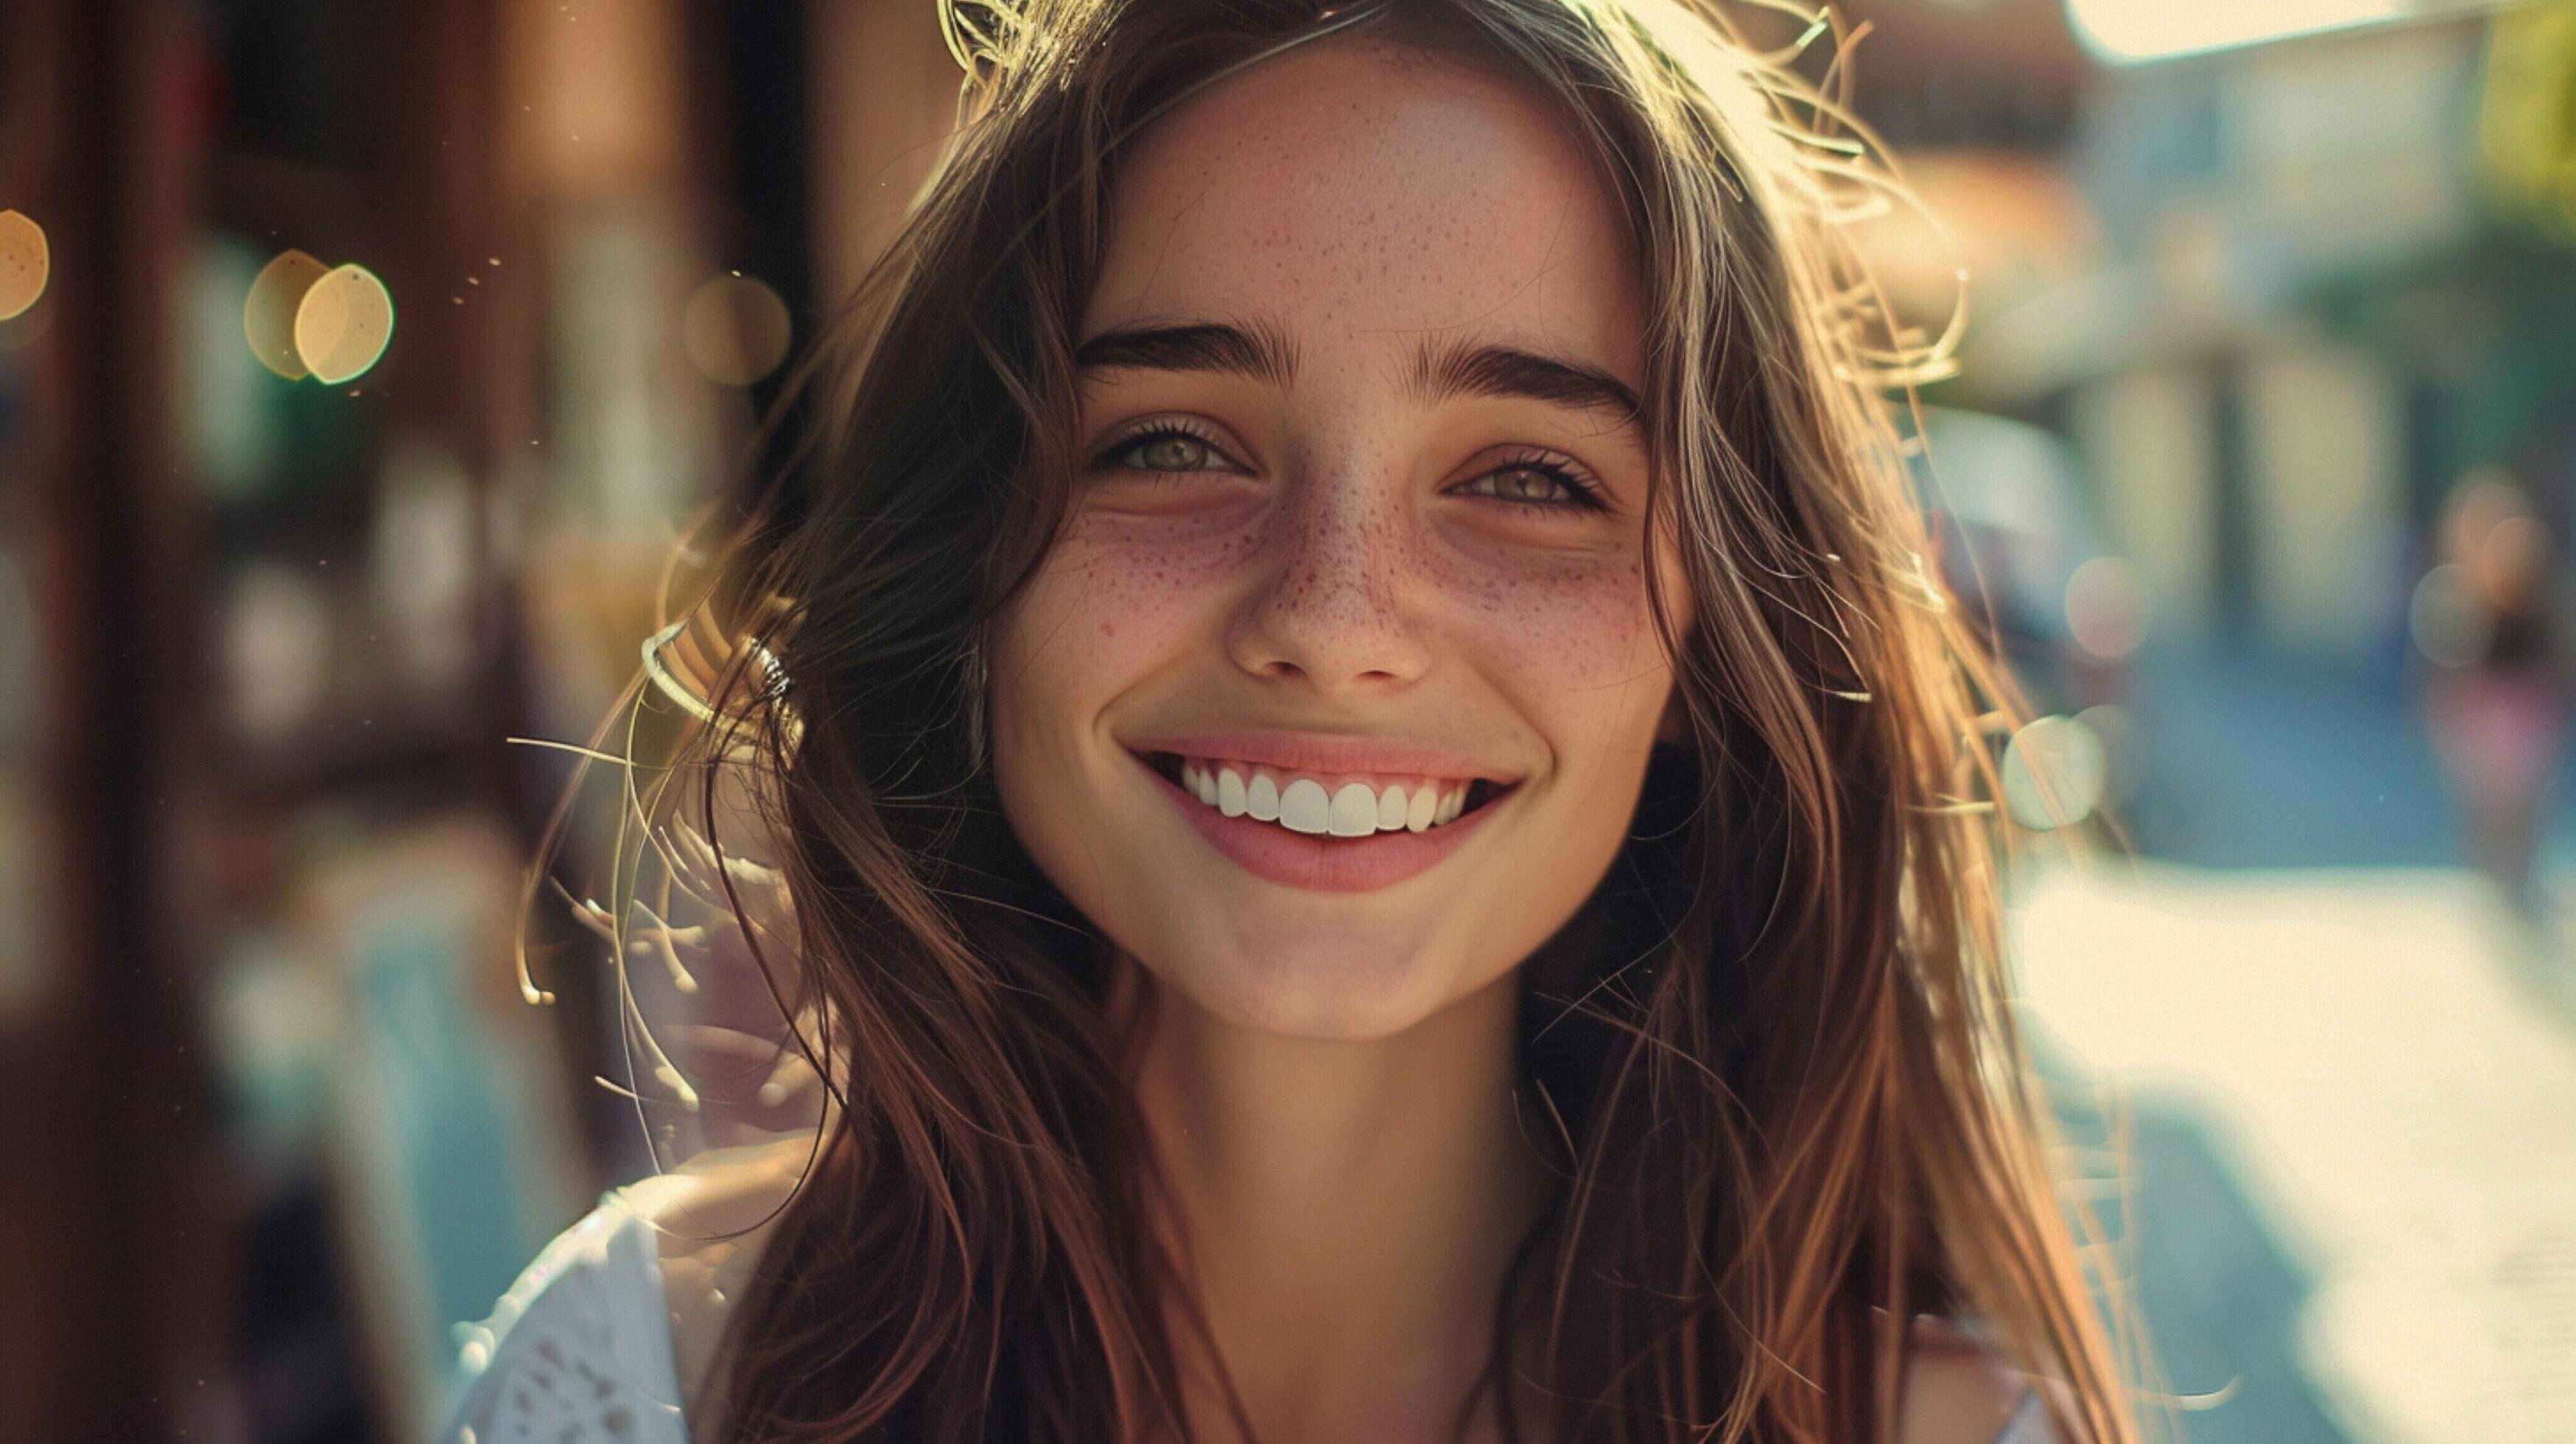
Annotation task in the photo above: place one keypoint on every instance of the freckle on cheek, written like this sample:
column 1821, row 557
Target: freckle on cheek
column 1578, row 624
column 1140, row 575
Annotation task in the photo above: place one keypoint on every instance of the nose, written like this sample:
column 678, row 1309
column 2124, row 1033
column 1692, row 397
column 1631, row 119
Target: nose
column 1337, row 567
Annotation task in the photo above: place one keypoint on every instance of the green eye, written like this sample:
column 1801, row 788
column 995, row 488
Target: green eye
column 1526, row 483
column 1169, row 449
column 1538, row 485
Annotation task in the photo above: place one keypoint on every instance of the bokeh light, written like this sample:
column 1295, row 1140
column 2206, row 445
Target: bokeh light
column 268, row 315
column 2106, row 607
column 2512, row 560
column 2484, row 497
column 2053, row 773
column 2447, row 617
column 25, row 263
column 735, row 329
column 2124, row 749
column 344, row 324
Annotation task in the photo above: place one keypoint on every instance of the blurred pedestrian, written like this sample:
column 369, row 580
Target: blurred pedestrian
column 2497, row 707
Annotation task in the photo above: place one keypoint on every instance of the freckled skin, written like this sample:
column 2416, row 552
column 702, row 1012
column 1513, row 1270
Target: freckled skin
column 1326, row 570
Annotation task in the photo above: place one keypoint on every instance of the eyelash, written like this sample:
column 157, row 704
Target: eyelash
column 1581, row 491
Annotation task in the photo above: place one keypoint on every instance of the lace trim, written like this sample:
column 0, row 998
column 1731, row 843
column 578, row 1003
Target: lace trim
column 579, row 1350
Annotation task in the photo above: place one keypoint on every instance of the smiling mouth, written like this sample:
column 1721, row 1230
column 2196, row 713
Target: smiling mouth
column 1326, row 805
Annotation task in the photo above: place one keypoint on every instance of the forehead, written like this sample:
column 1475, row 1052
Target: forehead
column 1361, row 199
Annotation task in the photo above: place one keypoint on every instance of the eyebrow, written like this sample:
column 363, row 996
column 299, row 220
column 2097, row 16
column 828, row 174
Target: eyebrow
column 1439, row 372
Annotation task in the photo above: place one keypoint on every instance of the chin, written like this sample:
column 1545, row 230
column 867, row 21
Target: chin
column 1312, row 982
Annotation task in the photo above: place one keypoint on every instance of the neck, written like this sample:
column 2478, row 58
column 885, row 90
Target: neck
column 1346, row 1210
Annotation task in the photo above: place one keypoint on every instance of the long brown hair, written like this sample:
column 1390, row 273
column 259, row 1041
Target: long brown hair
column 1772, row 1050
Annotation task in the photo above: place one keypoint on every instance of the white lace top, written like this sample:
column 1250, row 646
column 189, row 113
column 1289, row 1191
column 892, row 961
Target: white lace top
column 579, row 1351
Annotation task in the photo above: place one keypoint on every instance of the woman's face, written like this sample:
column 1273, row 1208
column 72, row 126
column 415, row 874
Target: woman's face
column 1358, row 545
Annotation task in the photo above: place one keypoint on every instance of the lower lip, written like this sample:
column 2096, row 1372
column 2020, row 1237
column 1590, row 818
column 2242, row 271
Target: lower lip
column 1322, row 864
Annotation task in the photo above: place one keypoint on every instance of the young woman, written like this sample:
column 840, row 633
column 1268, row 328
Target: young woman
column 1371, row 809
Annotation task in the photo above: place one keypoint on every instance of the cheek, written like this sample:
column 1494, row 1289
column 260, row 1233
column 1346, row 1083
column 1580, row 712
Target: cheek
column 1572, row 638
column 1113, row 601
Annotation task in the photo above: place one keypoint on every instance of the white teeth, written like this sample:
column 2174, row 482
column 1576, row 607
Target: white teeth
column 1304, row 808
column 1354, row 811
column 1418, row 809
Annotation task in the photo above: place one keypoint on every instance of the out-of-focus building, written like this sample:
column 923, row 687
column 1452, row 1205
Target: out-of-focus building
column 2276, row 292
column 359, row 364
column 2280, row 296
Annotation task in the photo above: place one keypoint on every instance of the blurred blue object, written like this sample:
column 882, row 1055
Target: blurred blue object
column 449, row 1135
column 2013, row 523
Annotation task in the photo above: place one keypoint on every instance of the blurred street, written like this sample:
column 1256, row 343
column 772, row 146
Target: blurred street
column 2348, row 1071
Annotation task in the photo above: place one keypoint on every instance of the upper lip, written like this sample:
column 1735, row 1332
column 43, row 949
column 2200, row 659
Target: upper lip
column 1327, row 752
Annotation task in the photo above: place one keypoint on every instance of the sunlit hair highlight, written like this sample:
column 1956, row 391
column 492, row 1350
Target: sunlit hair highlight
column 1774, row 1051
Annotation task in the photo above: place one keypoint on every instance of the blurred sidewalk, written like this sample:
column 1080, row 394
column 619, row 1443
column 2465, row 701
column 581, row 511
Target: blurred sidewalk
column 2349, row 1074
column 2353, row 1140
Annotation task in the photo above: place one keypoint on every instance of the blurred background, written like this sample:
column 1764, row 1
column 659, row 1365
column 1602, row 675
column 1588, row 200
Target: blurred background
column 358, row 358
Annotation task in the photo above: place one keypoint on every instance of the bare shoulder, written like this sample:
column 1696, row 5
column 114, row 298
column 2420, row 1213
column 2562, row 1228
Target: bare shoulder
column 711, row 1218
column 1958, row 1393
